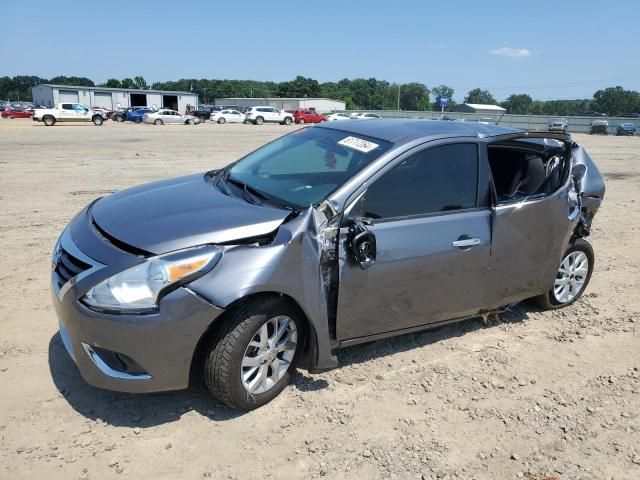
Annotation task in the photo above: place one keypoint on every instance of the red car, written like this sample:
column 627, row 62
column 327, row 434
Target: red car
column 17, row 113
column 308, row 116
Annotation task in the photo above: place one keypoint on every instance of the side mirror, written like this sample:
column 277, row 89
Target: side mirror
column 578, row 172
column 362, row 243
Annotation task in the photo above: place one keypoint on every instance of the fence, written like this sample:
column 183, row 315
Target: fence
column 523, row 122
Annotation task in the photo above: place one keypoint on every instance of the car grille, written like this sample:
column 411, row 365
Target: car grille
column 68, row 267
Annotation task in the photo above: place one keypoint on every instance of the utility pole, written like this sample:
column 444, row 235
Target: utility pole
column 398, row 96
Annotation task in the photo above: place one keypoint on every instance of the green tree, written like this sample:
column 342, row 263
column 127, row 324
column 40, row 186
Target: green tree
column 300, row 87
column 127, row 83
column 412, row 94
column 616, row 101
column 518, row 104
column 80, row 81
column 480, row 96
column 442, row 90
column 112, row 83
column 140, row 83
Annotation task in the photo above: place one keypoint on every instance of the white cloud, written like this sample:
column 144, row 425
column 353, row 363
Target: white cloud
column 511, row 52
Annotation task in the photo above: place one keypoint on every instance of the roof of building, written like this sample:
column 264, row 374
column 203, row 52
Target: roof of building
column 398, row 130
column 480, row 106
column 109, row 89
column 278, row 98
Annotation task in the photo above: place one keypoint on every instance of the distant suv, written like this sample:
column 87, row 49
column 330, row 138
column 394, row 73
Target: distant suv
column 599, row 126
column 558, row 125
column 260, row 115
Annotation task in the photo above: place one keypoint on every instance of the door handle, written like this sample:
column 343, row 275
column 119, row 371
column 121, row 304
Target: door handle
column 466, row 242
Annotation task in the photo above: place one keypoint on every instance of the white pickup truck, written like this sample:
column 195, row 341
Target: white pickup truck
column 67, row 112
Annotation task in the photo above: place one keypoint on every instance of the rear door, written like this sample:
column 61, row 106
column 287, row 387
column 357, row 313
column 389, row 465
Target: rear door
column 431, row 221
column 530, row 234
column 67, row 113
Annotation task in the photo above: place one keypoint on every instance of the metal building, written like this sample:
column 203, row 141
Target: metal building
column 321, row 105
column 479, row 108
column 111, row 98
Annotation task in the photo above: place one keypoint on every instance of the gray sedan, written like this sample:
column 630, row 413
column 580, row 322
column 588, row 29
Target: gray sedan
column 164, row 115
column 331, row 236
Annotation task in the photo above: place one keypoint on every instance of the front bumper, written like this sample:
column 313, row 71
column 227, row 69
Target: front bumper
column 159, row 346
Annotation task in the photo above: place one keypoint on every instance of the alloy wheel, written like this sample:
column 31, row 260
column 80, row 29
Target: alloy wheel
column 571, row 277
column 269, row 354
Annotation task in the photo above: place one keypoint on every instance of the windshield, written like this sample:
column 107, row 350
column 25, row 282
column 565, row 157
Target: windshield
column 304, row 167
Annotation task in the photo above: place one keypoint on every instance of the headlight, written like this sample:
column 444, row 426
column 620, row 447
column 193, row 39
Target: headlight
column 139, row 288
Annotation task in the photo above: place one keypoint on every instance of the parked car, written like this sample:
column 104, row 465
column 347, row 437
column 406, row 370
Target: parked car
column 122, row 113
column 558, row 125
column 631, row 115
column 67, row 112
column 165, row 115
column 137, row 115
column 595, row 114
column 17, row 113
column 104, row 113
column 228, row 116
column 599, row 126
column 239, row 274
column 260, row 115
column 337, row 116
column 202, row 113
column 365, row 116
column 626, row 129
column 308, row 116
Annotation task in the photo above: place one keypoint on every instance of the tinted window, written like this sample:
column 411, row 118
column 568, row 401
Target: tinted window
column 438, row 179
column 67, row 106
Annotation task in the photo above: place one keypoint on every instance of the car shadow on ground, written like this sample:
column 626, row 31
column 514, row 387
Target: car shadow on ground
column 402, row 343
column 130, row 410
column 145, row 410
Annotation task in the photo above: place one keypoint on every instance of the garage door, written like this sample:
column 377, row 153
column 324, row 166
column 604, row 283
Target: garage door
column 101, row 99
column 68, row 96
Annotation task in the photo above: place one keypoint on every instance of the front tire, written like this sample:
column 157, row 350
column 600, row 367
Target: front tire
column 253, row 357
column 572, row 278
column 97, row 120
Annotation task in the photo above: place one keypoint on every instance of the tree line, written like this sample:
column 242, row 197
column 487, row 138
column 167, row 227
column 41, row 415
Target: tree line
column 358, row 93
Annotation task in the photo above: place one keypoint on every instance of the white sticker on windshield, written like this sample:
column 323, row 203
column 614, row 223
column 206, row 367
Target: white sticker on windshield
column 359, row 144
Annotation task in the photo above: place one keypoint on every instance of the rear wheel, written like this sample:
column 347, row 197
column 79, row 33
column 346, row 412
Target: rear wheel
column 259, row 121
column 97, row 120
column 138, row 120
column 158, row 122
column 191, row 121
column 11, row 117
column 49, row 121
column 572, row 278
column 301, row 121
column 221, row 120
column 119, row 118
column 255, row 354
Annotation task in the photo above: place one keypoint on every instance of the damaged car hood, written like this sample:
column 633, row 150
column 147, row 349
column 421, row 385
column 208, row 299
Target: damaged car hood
column 180, row 213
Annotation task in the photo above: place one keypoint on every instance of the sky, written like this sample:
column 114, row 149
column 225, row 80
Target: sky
column 548, row 49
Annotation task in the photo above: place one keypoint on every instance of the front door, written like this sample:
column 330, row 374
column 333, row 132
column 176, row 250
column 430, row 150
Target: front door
column 432, row 234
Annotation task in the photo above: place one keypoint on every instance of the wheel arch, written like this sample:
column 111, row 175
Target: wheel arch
column 212, row 331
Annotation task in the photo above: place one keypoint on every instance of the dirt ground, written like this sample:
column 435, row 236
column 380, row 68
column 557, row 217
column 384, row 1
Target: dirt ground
column 533, row 395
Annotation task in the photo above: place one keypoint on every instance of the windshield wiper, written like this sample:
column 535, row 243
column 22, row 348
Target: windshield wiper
column 254, row 196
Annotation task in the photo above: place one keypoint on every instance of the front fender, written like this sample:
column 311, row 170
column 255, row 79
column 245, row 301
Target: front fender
column 290, row 265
